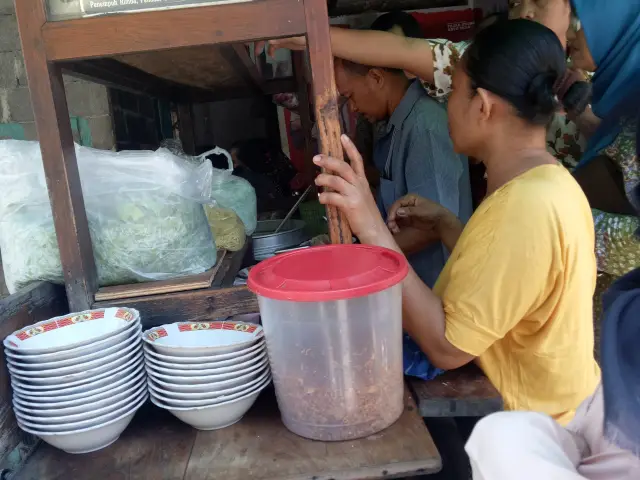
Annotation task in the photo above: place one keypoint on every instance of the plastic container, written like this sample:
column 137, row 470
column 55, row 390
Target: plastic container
column 332, row 318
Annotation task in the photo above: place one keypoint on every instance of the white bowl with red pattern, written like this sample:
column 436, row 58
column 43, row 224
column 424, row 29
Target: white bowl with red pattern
column 81, row 354
column 214, row 416
column 188, row 363
column 78, row 379
column 179, row 380
column 176, row 398
column 209, row 369
column 87, row 435
column 189, row 339
column 71, row 331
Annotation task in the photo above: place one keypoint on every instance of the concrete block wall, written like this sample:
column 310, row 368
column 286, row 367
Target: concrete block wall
column 87, row 100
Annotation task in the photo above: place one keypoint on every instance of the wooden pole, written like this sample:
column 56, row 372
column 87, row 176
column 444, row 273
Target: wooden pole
column 49, row 104
column 326, row 100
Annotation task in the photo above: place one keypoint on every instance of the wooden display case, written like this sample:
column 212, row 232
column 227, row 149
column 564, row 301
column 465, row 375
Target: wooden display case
column 186, row 55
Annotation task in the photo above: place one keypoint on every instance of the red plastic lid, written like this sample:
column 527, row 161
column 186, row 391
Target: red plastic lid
column 334, row 272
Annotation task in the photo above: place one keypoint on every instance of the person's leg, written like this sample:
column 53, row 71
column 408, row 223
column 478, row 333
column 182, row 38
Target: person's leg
column 603, row 460
column 522, row 445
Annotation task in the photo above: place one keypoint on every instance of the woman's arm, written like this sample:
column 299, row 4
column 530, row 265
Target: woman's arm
column 423, row 313
column 373, row 48
column 417, row 222
column 384, row 49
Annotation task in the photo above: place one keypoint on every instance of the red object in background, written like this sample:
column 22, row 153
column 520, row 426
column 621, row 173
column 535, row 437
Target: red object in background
column 454, row 25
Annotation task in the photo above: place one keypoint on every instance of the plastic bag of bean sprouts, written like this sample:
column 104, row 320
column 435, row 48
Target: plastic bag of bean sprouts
column 144, row 210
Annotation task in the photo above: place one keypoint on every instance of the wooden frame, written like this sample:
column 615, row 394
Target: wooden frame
column 50, row 47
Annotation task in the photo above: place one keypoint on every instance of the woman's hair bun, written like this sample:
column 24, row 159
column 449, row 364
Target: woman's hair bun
column 541, row 97
column 577, row 97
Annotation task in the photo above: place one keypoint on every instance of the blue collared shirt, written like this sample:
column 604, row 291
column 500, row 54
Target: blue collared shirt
column 415, row 155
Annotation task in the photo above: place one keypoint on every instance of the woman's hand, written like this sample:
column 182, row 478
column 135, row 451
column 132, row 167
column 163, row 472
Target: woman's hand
column 435, row 222
column 416, row 212
column 291, row 43
column 348, row 190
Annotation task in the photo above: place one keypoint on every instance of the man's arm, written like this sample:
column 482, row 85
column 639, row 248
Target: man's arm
column 432, row 173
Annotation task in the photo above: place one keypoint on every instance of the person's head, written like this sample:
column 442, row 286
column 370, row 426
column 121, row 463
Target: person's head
column 592, row 45
column 400, row 23
column 607, row 41
column 369, row 90
column 554, row 14
column 511, row 79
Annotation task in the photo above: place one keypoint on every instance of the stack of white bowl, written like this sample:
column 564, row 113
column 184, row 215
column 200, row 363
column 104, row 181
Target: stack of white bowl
column 78, row 379
column 208, row 374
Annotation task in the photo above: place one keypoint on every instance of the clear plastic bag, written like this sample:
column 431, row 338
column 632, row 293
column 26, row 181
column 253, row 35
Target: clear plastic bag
column 226, row 227
column 233, row 192
column 144, row 211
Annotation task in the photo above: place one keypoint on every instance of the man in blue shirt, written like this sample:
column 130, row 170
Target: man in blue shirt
column 414, row 154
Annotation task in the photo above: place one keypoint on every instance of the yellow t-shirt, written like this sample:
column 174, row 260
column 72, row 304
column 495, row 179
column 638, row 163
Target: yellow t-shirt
column 517, row 292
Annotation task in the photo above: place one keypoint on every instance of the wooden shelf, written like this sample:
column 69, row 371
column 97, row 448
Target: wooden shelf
column 113, row 35
column 157, row 445
column 212, row 296
column 186, row 55
column 180, row 284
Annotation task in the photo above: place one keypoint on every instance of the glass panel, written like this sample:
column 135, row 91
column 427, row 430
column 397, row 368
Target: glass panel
column 69, row 9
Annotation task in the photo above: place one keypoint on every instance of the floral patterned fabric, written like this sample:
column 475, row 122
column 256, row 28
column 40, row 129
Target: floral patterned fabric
column 617, row 246
column 563, row 138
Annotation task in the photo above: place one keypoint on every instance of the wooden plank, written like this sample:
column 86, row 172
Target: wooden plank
column 59, row 159
column 464, row 392
column 304, row 110
column 197, row 305
column 155, row 446
column 326, row 101
column 159, row 30
column 116, row 74
column 351, row 7
column 259, row 447
column 158, row 446
column 204, row 66
column 181, row 284
column 237, row 55
column 186, row 128
column 231, row 266
column 33, row 304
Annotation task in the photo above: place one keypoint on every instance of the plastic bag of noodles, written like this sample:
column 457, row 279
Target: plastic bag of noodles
column 144, row 211
column 235, row 193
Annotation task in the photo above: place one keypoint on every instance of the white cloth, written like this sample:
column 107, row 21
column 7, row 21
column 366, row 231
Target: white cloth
column 533, row 446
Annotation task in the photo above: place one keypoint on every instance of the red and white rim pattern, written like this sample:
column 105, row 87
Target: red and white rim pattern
column 250, row 328
column 54, row 324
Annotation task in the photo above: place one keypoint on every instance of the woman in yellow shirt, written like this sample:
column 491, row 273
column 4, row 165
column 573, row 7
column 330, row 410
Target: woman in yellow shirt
column 515, row 295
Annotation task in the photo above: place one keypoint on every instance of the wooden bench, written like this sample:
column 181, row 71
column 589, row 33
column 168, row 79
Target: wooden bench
column 464, row 392
column 158, row 446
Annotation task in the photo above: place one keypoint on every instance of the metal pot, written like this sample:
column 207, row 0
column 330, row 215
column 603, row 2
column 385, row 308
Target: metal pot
column 266, row 243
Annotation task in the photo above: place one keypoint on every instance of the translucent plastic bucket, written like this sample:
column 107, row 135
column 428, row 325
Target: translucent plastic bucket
column 337, row 361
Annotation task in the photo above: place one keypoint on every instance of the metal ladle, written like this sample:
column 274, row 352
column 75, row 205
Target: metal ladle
column 294, row 208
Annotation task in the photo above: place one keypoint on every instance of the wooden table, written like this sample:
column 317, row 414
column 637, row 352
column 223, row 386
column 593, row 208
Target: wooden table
column 463, row 392
column 158, row 446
